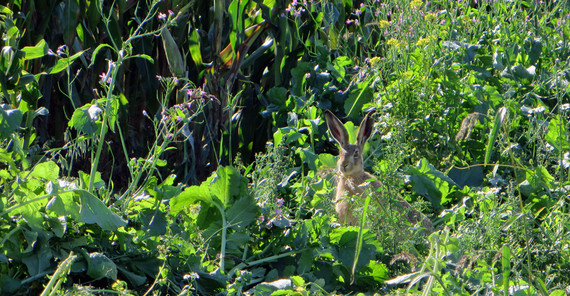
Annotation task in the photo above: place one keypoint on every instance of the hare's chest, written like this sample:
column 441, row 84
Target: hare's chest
column 351, row 188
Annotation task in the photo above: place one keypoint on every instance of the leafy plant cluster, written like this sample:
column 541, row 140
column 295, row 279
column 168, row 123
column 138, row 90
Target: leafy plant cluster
column 118, row 174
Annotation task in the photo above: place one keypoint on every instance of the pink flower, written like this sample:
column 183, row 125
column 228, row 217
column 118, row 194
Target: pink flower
column 105, row 78
column 161, row 16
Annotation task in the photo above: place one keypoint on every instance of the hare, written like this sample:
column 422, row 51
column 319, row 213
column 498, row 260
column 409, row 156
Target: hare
column 353, row 180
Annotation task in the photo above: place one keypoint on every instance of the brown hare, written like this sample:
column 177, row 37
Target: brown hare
column 353, row 180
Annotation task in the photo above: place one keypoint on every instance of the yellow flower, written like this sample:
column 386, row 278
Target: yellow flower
column 383, row 24
column 394, row 42
column 416, row 3
column 425, row 41
column 375, row 62
column 430, row 17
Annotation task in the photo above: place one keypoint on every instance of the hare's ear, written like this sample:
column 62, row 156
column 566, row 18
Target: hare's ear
column 365, row 129
column 337, row 129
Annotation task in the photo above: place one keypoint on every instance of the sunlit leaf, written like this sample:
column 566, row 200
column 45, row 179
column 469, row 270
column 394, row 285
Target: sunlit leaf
column 64, row 63
column 94, row 211
column 37, row 51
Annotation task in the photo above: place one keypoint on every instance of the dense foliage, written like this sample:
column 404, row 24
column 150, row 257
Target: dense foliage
column 179, row 147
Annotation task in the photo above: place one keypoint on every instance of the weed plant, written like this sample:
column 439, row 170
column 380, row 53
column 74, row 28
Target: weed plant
column 117, row 172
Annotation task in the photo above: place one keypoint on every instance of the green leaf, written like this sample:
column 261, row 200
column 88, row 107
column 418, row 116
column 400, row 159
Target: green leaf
column 64, row 204
column 277, row 96
column 194, row 47
column 10, row 120
column 298, row 281
column 357, row 97
column 497, row 123
column 338, row 67
column 100, row 266
column 176, row 64
column 37, row 51
column 190, row 196
column 133, row 278
column 506, row 265
column 242, row 213
column 94, row 211
column 96, row 52
column 153, row 221
column 46, row 170
column 62, row 64
column 85, row 122
column 143, row 56
column 305, row 262
column 328, row 160
column 425, row 186
column 557, row 134
column 225, row 184
column 308, row 157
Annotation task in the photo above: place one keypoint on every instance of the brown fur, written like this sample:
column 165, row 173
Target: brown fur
column 354, row 181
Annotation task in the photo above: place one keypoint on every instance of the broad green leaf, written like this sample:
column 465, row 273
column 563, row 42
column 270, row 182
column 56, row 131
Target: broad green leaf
column 38, row 261
column 84, row 119
column 132, row 278
column 305, row 262
column 357, row 97
column 226, row 184
column 94, row 211
column 190, row 196
column 100, row 266
column 308, row 157
column 298, row 281
column 10, row 120
column 328, row 160
column 64, row 205
column 48, row 170
column 277, row 96
column 533, row 47
column 425, row 186
column 557, row 135
column 153, row 221
column 471, row 176
column 242, row 213
column 338, row 67
column 37, row 51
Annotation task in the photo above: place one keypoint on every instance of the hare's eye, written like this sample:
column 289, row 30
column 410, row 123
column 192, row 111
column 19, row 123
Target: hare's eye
column 355, row 153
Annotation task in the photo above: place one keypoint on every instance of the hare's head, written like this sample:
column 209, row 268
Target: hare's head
column 350, row 160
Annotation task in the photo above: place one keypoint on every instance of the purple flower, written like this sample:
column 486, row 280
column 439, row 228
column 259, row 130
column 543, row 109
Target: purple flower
column 278, row 212
column 279, row 202
column 61, row 50
column 162, row 16
column 105, row 78
column 351, row 21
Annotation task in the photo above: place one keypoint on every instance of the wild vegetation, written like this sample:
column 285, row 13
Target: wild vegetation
column 179, row 147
